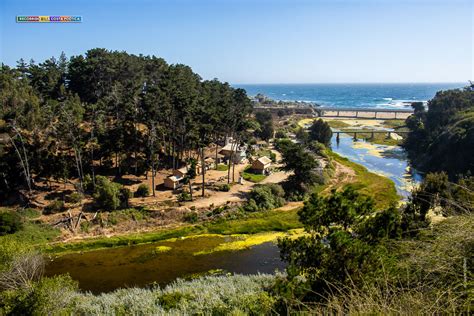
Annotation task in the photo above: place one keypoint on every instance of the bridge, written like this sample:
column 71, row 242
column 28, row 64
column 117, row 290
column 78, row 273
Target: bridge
column 365, row 113
column 365, row 131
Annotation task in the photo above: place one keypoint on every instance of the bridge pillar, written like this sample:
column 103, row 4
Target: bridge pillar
column 357, row 114
column 372, row 136
column 337, row 113
column 355, row 136
column 389, row 134
column 395, row 115
column 375, row 114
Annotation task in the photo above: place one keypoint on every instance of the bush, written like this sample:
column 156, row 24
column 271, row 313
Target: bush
column 191, row 217
column 74, row 197
column 88, row 184
column 49, row 296
column 54, row 207
column 184, row 196
column 211, row 295
column 142, row 190
column 109, row 195
column 280, row 134
column 223, row 187
column 10, row 222
column 265, row 197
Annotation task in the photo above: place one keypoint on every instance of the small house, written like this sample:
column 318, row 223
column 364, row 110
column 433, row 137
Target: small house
column 181, row 172
column 262, row 165
column 172, row 182
column 239, row 152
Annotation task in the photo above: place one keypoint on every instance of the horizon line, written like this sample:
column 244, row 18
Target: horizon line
column 368, row 82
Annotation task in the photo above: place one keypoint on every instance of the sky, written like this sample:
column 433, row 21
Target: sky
column 260, row 41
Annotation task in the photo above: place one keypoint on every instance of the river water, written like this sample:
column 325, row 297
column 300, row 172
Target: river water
column 389, row 161
column 144, row 265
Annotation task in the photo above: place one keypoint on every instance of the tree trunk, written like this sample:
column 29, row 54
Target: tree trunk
column 203, row 171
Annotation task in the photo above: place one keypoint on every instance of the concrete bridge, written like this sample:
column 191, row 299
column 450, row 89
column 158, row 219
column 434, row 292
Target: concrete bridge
column 362, row 131
column 365, row 113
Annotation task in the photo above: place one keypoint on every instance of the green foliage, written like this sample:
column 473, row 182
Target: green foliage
column 437, row 192
column 280, row 134
column 223, row 187
column 110, row 195
column 210, row 295
column 302, row 135
column 184, row 196
column 343, row 243
column 111, row 110
column 303, row 164
column 321, row 132
column 56, row 206
column 265, row 197
column 442, row 138
column 142, row 191
column 265, row 121
column 48, row 296
column 191, row 217
column 74, row 197
column 10, row 222
column 88, row 184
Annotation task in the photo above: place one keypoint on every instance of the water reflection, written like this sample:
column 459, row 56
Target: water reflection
column 109, row 269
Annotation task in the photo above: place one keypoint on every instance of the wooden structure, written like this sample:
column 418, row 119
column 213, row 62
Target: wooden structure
column 261, row 165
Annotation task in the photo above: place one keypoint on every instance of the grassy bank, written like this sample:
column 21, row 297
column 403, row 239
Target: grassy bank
column 381, row 188
column 252, row 224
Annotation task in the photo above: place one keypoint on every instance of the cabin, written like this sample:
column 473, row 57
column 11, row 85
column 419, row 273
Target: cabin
column 261, row 165
column 239, row 152
column 181, row 172
column 173, row 182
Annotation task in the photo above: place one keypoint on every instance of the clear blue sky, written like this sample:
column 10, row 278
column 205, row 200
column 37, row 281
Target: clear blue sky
column 261, row 41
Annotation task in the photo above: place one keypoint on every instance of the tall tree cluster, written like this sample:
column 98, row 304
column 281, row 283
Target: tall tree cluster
column 442, row 137
column 108, row 110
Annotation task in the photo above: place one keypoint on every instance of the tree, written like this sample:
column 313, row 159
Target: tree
column 265, row 121
column 442, row 138
column 342, row 244
column 303, row 164
column 320, row 131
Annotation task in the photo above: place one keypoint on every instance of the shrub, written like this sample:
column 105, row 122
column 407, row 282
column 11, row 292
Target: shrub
column 49, row 296
column 142, row 190
column 191, row 217
column 273, row 156
column 74, row 197
column 88, row 184
column 265, row 197
column 184, row 196
column 55, row 206
column 10, row 222
column 280, row 134
column 109, row 195
column 223, row 187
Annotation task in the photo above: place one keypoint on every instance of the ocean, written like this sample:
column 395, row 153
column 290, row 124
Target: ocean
column 377, row 95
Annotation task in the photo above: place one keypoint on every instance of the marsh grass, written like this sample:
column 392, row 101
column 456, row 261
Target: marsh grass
column 381, row 188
